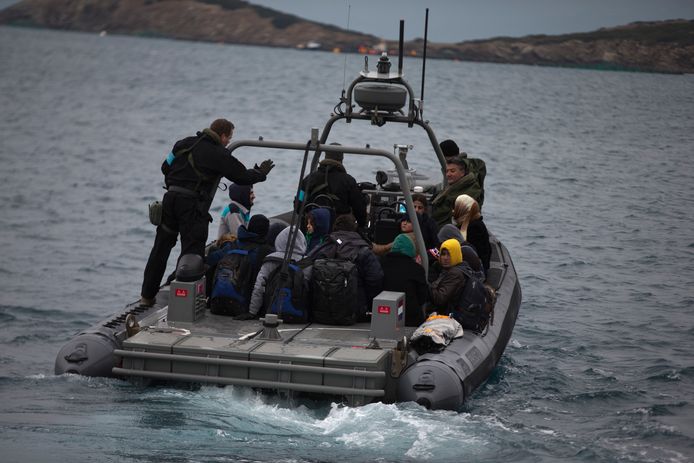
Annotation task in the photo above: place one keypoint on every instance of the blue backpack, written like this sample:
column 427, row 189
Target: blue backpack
column 233, row 282
column 286, row 294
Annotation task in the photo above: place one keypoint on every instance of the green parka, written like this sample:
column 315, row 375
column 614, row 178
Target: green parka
column 442, row 206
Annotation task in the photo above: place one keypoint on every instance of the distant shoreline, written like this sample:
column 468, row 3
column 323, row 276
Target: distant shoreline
column 656, row 46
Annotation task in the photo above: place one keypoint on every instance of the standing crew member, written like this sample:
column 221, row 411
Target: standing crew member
column 192, row 171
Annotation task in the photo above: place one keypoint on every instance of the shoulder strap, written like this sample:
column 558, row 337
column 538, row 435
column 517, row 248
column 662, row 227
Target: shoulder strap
column 201, row 177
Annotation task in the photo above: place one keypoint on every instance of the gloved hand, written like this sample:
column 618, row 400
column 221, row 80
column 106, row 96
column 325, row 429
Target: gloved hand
column 266, row 166
column 245, row 316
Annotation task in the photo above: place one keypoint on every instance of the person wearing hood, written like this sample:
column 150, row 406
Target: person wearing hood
column 401, row 273
column 447, row 289
column 331, row 186
column 249, row 238
column 460, row 181
column 191, row 171
column 470, row 256
column 282, row 244
column 238, row 211
column 317, row 227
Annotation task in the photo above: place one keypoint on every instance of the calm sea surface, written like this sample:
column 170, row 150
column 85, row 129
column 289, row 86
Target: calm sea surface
column 589, row 186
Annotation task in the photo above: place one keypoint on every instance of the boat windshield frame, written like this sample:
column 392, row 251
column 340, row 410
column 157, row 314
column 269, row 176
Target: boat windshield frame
column 359, row 151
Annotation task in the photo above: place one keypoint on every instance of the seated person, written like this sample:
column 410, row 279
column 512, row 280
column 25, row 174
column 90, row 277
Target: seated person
column 466, row 215
column 296, row 253
column 405, row 225
column 426, row 223
column 252, row 239
column 317, row 227
column 344, row 242
column 331, row 186
column 238, row 211
column 447, row 288
column 460, row 181
column 401, row 273
column 470, row 256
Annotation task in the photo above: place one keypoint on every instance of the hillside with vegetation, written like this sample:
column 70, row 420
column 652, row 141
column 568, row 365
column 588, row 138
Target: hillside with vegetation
column 660, row 46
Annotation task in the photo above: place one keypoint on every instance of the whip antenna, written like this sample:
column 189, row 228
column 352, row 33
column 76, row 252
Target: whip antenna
column 344, row 68
column 401, row 45
column 424, row 57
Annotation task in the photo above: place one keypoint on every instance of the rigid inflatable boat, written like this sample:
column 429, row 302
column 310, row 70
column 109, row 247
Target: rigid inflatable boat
column 179, row 340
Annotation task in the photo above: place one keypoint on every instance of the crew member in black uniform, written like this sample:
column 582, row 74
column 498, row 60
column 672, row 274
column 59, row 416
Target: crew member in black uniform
column 192, row 171
column 331, row 186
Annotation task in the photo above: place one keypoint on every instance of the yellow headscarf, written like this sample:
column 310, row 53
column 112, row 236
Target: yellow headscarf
column 453, row 248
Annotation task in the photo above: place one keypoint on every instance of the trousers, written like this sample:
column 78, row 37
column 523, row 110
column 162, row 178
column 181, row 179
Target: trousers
column 182, row 215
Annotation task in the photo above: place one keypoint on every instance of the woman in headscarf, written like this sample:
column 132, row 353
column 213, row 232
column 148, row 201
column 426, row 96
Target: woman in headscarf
column 447, row 289
column 238, row 211
column 401, row 273
column 467, row 216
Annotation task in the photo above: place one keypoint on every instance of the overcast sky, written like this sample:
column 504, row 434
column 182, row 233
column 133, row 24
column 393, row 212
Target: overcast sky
column 458, row 20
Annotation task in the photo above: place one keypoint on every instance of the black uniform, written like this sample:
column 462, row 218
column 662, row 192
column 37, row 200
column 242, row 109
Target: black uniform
column 340, row 186
column 187, row 202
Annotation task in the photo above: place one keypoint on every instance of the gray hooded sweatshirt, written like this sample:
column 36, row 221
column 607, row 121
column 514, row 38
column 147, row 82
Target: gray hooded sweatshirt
column 281, row 244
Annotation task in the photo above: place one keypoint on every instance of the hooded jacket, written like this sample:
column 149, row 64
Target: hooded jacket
column 447, row 289
column 321, row 227
column 281, row 245
column 237, row 212
column 340, row 184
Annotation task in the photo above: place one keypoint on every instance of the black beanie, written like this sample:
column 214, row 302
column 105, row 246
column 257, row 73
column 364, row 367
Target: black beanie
column 449, row 148
column 241, row 194
column 259, row 224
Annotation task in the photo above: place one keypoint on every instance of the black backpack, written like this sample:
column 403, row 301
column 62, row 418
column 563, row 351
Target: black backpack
column 233, row 282
column 476, row 304
column 287, row 295
column 334, row 284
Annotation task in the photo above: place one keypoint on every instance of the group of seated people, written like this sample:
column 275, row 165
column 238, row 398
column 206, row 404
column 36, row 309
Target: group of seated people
column 457, row 247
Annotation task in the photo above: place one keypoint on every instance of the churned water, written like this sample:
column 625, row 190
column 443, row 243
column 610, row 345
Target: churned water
column 589, row 186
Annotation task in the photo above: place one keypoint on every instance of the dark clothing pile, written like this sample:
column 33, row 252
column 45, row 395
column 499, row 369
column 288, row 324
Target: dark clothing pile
column 186, row 204
column 340, row 192
column 401, row 273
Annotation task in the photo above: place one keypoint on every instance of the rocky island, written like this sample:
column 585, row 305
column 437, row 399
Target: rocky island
column 659, row 46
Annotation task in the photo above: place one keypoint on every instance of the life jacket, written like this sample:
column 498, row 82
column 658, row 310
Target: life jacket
column 286, row 293
column 173, row 160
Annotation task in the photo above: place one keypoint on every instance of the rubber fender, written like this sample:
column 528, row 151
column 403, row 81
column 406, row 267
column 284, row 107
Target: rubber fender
column 88, row 354
column 433, row 385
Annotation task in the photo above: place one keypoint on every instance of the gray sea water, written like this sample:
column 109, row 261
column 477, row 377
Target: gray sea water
column 589, row 186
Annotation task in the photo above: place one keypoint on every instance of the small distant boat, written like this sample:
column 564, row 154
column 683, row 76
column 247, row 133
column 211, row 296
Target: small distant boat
column 179, row 340
column 103, row 34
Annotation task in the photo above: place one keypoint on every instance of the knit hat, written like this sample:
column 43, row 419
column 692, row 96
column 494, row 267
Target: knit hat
column 453, row 248
column 241, row 194
column 259, row 224
column 404, row 245
column 335, row 156
column 449, row 148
